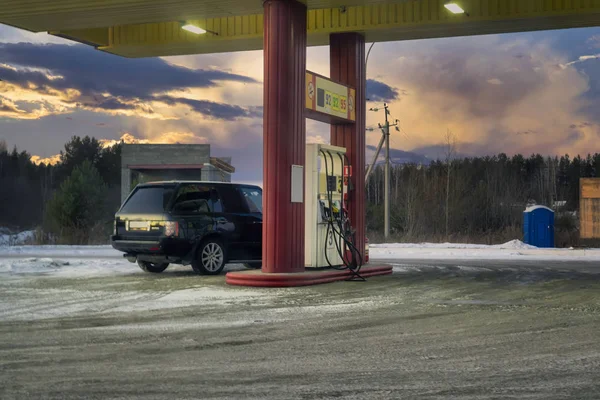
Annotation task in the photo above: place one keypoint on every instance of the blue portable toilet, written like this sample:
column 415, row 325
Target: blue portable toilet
column 538, row 226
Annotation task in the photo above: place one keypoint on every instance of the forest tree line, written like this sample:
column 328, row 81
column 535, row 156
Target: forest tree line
column 72, row 202
column 479, row 199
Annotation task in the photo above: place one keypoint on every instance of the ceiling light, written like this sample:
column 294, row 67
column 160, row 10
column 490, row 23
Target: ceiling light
column 194, row 29
column 454, row 8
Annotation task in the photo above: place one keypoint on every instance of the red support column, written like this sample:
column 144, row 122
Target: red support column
column 284, row 134
column 347, row 58
column 284, row 146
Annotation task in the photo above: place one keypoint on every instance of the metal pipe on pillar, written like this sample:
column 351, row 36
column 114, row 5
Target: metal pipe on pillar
column 347, row 58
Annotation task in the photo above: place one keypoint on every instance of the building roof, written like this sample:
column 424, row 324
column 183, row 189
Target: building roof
column 222, row 165
column 188, row 181
column 214, row 161
column 164, row 166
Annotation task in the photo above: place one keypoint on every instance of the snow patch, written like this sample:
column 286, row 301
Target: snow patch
column 537, row 207
column 64, row 268
column 192, row 297
column 514, row 249
column 513, row 244
column 61, row 251
column 10, row 239
column 174, row 326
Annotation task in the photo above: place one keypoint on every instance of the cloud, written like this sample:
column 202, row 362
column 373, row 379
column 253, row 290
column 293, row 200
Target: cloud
column 7, row 106
column 109, row 73
column 9, row 109
column 128, row 138
column 78, row 76
column 530, row 112
column 594, row 41
column 495, row 81
column 580, row 60
column 15, row 35
column 317, row 139
column 214, row 110
column 163, row 138
column 527, row 132
column 52, row 160
column 378, row 91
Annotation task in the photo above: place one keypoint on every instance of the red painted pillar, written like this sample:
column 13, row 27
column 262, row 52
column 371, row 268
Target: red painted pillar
column 284, row 133
column 347, row 58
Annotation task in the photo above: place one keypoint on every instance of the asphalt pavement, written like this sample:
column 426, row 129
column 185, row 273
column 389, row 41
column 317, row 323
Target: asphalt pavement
column 432, row 330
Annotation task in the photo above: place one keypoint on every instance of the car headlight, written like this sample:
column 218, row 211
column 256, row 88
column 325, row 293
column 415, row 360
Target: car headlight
column 171, row 228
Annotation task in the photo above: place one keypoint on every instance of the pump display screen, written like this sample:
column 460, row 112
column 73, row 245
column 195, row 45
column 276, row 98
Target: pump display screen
column 331, row 183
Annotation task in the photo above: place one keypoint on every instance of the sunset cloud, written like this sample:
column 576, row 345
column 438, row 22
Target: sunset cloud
column 128, row 138
column 78, row 77
column 490, row 91
column 52, row 160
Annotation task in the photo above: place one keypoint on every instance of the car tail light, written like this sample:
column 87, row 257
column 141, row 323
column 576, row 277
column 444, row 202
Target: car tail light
column 171, row 228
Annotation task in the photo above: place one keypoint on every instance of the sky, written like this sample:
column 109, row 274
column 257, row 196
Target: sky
column 515, row 93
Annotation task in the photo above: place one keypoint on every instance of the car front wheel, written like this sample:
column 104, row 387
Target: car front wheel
column 210, row 259
column 155, row 268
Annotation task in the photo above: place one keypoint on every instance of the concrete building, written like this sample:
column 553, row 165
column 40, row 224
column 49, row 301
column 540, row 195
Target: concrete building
column 158, row 162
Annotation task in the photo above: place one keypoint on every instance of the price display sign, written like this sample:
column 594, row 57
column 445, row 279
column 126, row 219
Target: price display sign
column 329, row 101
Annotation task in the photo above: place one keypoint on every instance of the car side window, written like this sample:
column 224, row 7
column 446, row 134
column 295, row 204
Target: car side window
column 253, row 198
column 197, row 199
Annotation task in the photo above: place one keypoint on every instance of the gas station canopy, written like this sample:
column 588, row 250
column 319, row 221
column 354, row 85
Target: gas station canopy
column 145, row 28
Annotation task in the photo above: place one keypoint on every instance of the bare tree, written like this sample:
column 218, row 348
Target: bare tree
column 3, row 149
column 450, row 153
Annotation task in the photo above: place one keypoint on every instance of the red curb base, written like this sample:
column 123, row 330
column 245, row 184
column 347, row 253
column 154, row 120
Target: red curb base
column 257, row 278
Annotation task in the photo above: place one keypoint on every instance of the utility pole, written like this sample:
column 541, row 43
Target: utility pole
column 385, row 130
column 385, row 137
column 386, row 224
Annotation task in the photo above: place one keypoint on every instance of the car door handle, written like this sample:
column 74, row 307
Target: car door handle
column 256, row 222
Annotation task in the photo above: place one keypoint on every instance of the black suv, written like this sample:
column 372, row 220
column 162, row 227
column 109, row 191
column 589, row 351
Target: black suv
column 205, row 224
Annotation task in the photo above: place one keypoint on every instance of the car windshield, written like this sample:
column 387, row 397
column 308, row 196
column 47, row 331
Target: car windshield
column 253, row 197
column 149, row 199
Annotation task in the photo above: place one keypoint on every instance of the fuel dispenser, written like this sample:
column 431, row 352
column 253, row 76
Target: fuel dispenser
column 330, row 239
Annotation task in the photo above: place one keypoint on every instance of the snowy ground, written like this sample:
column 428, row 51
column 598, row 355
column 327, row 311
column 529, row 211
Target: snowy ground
column 513, row 250
column 64, row 261
column 504, row 321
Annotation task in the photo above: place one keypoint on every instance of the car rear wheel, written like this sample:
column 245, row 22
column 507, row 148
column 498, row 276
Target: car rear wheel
column 210, row 259
column 154, row 268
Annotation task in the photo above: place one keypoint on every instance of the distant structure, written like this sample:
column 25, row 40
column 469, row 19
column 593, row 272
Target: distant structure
column 158, row 162
column 589, row 208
